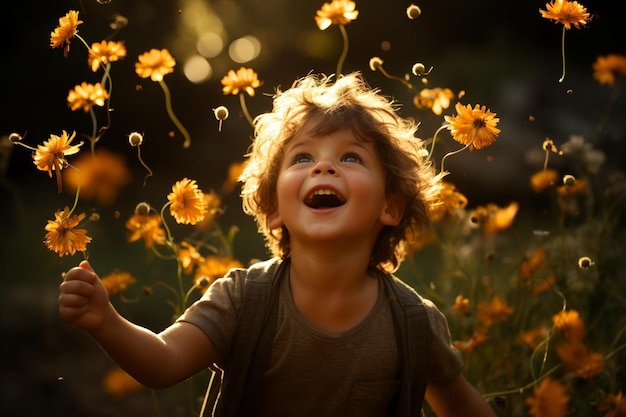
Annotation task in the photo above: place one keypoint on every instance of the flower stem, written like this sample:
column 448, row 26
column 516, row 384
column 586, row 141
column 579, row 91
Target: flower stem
column 344, row 53
column 244, row 109
column 457, row 151
column 432, row 145
column 149, row 174
column 170, row 112
column 563, row 54
column 77, row 190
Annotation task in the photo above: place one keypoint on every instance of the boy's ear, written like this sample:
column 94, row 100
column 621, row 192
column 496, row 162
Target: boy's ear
column 393, row 210
column 275, row 221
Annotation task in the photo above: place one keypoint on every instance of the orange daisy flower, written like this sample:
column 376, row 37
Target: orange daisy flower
column 212, row 268
column 435, row 99
column 213, row 204
column 155, row 64
column 494, row 218
column 449, row 199
column 100, row 176
column 118, row 383
column 549, row 399
column 607, row 68
column 494, row 311
column 105, row 52
column 579, row 360
column 87, row 95
column 543, row 180
column 245, row 79
column 189, row 257
column 146, row 226
column 51, row 155
column 63, row 237
column 570, row 324
column 117, row 282
column 338, row 12
column 567, row 13
column 66, row 30
column 475, row 128
column 614, row 405
column 187, row 202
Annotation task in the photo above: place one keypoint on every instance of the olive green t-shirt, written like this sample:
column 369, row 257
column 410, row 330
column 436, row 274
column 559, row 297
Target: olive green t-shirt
column 315, row 373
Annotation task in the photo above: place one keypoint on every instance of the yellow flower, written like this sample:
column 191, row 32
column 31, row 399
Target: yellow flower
column 435, row 99
column 543, row 179
column 117, row 282
column 187, row 202
column 212, row 268
column 607, row 68
column 570, row 324
column 338, row 12
column 493, row 218
column 105, row 52
column 475, row 128
column 614, row 405
column 63, row 237
column 155, row 64
column 234, row 172
column 494, row 311
column 189, row 257
column 531, row 338
column 51, row 155
column 213, row 204
column 146, row 226
column 449, row 199
column 566, row 12
column 549, row 399
column 118, row 383
column 100, row 176
column 579, row 360
column 87, row 95
column 66, row 30
column 245, row 79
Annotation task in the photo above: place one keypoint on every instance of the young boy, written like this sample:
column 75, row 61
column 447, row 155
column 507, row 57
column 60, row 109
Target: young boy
column 338, row 184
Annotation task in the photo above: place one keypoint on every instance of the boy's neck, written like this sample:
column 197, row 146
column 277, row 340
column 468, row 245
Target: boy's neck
column 329, row 272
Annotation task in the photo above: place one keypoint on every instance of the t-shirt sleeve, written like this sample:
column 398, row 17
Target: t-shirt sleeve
column 215, row 313
column 446, row 363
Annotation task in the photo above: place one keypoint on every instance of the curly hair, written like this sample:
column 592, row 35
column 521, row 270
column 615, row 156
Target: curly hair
column 327, row 107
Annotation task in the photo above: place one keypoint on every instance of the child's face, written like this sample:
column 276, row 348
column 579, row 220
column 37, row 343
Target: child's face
column 332, row 187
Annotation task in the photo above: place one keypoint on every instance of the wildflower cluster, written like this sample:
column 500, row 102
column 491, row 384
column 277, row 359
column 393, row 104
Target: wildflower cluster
column 521, row 299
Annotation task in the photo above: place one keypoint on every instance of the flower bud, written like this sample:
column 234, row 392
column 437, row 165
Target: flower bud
column 221, row 113
column 142, row 208
column 413, row 11
column 376, row 63
column 135, row 139
column 569, row 180
column 585, row 262
column 15, row 137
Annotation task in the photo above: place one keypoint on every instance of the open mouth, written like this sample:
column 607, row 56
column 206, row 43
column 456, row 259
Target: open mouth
column 324, row 198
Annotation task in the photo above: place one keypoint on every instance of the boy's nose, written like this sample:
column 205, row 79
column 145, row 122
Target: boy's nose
column 324, row 168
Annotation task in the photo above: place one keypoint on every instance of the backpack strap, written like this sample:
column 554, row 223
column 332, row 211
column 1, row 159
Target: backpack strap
column 413, row 339
column 251, row 347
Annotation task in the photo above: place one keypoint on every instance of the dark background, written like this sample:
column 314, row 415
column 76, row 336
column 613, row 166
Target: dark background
column 501, row 53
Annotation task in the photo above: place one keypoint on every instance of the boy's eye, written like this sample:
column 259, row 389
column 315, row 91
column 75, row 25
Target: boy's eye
column 351, row 157
column 302, row 158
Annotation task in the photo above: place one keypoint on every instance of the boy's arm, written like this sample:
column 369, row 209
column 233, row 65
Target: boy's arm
column 459, row 398
column 155, row 360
